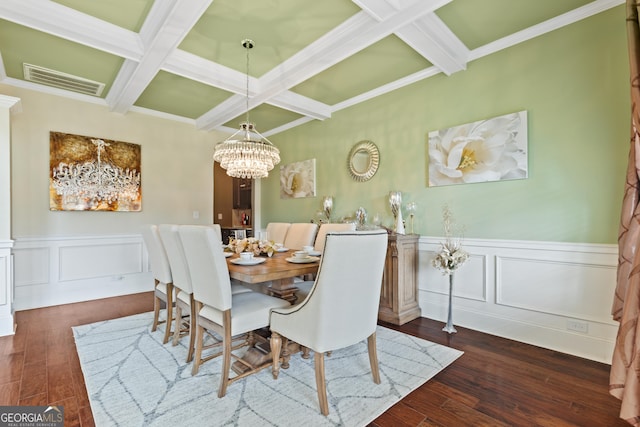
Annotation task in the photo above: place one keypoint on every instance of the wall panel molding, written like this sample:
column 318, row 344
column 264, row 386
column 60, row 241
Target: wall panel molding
column 61, row 270
column 550, row 294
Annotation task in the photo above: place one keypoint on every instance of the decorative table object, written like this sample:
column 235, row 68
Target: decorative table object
column 411, row 210
column 449, row 259
column 327, row 207
column 395, row 202
column 251, row 244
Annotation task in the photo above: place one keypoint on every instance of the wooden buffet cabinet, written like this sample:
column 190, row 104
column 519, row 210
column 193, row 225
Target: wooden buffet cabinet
column 399, row 295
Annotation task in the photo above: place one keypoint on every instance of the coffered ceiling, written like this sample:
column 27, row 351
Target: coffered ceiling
column 183, row 59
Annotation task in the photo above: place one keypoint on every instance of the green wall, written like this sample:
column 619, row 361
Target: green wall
column 573, row 82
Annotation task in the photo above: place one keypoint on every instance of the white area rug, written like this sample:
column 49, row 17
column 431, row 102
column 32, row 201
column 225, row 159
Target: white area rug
column 134, row 380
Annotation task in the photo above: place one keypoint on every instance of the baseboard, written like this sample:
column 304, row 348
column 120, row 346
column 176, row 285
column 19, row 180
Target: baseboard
column 36, row 296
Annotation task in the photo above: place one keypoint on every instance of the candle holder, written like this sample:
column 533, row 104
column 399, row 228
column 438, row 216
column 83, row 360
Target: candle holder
column 411, row 210
column 395, row 202
column 327, row 207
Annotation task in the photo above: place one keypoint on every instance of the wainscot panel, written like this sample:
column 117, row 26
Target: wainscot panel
column 7, row 324
column 62, row 270
column 548, row 294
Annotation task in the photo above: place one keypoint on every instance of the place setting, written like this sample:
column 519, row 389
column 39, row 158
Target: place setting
column 304, row 256
column 279, row 247
column 247, row 258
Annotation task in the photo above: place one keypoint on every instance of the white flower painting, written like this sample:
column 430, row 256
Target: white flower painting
column 487, row 150
column 298, row 179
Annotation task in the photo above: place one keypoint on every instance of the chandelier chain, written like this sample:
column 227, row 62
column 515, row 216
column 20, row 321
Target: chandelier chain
column 246, row 153
column 248, row 44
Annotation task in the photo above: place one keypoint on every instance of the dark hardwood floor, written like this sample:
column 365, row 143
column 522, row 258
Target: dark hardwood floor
column 497, row 382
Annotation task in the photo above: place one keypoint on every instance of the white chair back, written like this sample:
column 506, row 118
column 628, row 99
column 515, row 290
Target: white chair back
column 326, row 228
column 277, row 231
column 160, row 267
column 175, row 254
column 300, row 234
column 342, row 307
column 207, row 266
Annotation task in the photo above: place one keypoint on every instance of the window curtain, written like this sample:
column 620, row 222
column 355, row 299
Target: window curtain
column 624, row 381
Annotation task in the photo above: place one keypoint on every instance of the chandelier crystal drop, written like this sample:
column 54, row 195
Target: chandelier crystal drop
column 99, row 181
column 246, row 153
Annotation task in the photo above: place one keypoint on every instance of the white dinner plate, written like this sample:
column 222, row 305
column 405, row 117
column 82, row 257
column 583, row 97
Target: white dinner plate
column 303, row 260
column 253, row 261
column 227, row 254
column 283, row 249
column 314, row 253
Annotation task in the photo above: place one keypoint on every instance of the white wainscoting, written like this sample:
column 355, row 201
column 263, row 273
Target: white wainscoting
column 534, row 292
column 61, row 270
column 523, row 290
column 7, row 324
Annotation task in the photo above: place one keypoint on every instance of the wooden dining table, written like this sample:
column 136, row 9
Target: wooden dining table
column 276, row 274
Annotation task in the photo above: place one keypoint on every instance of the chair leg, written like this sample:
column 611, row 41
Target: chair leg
column 167, row 332
column 318, row 359
column 192, row 330
column 178, row 325
column 373, row 357
column 226, row 353
column 198, row 354
column 276, row 344
column 156, row 309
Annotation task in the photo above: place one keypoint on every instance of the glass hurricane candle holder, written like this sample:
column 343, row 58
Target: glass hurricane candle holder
column 395, row 202
column 411, row 210
column 327, row 207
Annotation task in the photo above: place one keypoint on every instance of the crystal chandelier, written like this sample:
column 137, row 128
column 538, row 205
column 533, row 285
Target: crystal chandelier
column 98, row 181
column 246, row 153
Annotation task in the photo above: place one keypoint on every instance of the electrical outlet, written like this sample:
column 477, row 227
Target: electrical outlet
column 196, row 214
column 578, row 326
column 219, row 217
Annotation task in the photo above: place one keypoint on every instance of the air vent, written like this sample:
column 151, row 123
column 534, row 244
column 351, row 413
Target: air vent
column 45, row 76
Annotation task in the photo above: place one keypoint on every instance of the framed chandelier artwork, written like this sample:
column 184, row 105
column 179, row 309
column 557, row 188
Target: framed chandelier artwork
column 93, row 174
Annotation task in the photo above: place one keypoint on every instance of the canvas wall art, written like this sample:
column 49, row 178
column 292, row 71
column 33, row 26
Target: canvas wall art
column 298, row 179
column 93, row 174
column 494, row 149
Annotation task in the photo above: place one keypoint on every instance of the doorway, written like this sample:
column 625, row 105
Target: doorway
column 232, row 202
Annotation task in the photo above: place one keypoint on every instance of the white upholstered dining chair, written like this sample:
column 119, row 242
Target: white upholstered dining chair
column 184, row 315
column 277, row 231
column 304, row 287
column 342, row 308
column 300, row 234
column 233, row 317
column 161, row 270
column 326, row 228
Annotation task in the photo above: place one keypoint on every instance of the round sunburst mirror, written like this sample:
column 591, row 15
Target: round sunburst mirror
column 363, row 160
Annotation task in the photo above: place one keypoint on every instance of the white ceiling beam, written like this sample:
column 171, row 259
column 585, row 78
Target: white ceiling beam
column 64, row 22
column 169, row 21
column 428, row 36
column 196, row 68
column 348, row 38
column 193, row 67
column 301, row 104
column 549, row 25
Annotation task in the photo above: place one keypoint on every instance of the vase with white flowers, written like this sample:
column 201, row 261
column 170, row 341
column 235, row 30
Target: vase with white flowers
column 450, row 257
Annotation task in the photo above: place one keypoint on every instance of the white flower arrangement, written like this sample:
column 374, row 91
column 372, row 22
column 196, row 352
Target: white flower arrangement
column 451, row 255
column 251, row 244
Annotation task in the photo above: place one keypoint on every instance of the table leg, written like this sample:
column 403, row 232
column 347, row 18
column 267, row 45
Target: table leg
column 284, row 289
